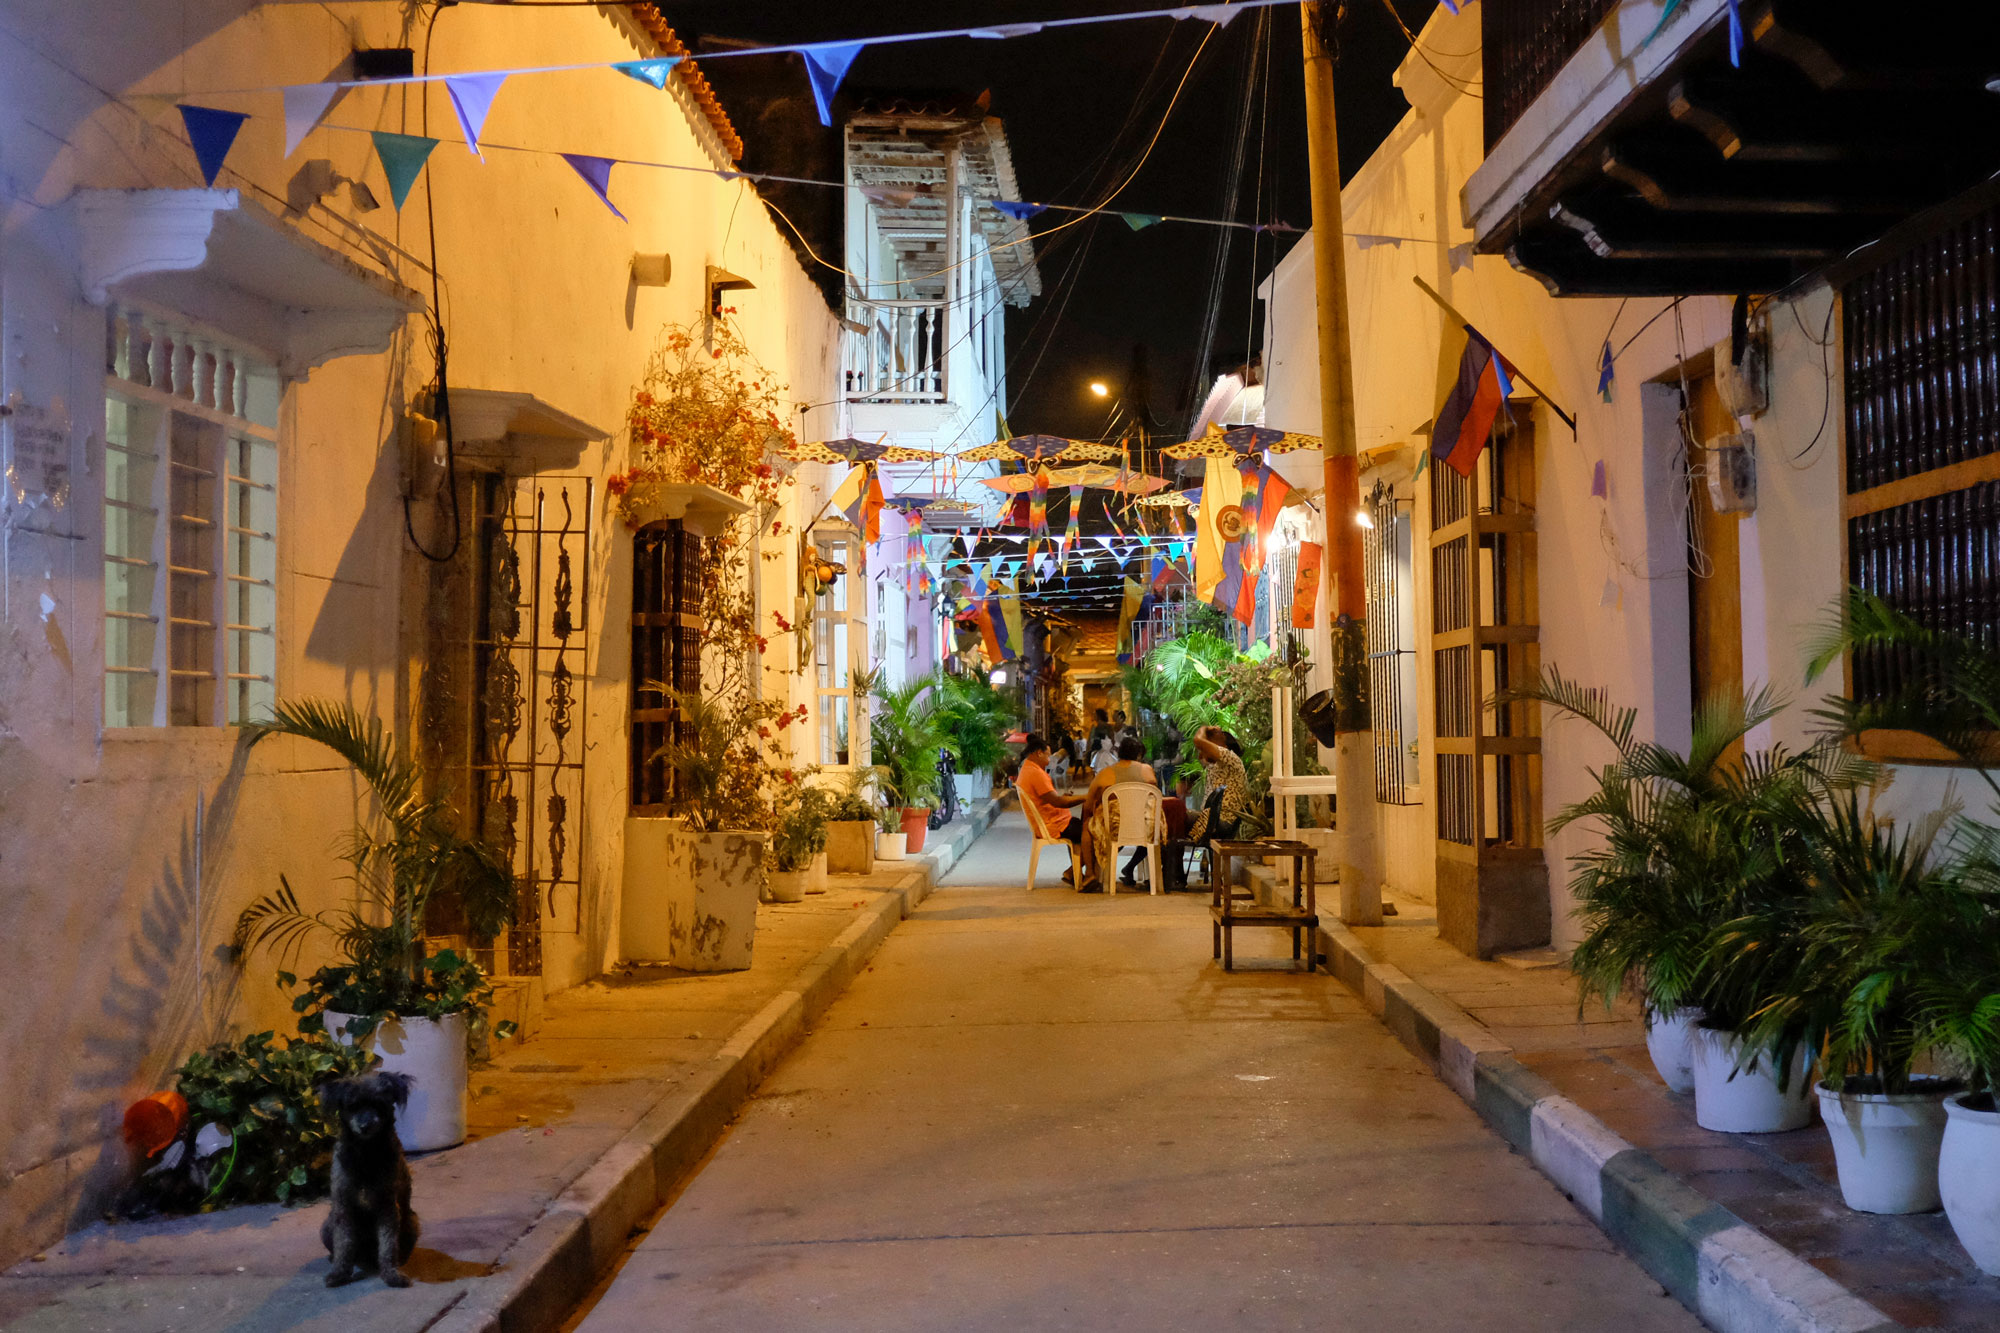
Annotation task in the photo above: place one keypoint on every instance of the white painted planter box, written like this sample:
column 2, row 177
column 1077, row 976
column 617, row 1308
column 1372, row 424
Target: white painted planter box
column 432, row 1052
column 690, row 899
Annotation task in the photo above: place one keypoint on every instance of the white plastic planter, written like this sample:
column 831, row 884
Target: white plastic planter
column 789, row 886
column 973, row 786
column 1749, row 1102
column 891, row 846
column 816, row 876
column 1672, row 1049
column 432, row 1051
column 1969, row 1180
column 1886, row 1147
column 690, row 899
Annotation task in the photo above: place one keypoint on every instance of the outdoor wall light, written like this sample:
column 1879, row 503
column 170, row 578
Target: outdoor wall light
column 1100, row 388
column 998, row 678
column 652, row 270
column 1361, row 519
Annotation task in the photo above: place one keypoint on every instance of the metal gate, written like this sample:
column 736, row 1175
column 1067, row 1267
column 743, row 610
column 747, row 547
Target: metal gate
column 529, row 732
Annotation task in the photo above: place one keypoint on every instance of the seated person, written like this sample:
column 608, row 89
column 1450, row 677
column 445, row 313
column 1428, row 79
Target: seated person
column 1053, row 806
column 1130, row 767
column 1228, row 798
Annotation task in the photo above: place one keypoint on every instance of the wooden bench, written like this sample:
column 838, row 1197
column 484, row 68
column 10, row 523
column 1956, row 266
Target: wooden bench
column 1233, row 906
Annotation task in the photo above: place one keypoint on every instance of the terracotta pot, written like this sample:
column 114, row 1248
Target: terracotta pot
column 916, row 823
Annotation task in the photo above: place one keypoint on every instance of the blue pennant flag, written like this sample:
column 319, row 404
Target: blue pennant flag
column 652, row 71
column 596, row 172
column 1606, row 371
column 1018, row 210
column 211, row 132
column 826, row 66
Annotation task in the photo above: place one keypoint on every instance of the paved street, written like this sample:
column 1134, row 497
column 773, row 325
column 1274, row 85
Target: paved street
column 1053, row 1111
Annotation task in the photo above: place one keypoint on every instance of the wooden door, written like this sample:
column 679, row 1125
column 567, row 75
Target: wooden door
column 1715, row 572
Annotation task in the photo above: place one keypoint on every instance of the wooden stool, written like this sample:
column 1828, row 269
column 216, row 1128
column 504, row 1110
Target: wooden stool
column 1232, row 907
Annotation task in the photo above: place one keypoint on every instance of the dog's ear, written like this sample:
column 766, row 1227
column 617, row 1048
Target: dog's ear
column 336, row 1094
column 397, row 1086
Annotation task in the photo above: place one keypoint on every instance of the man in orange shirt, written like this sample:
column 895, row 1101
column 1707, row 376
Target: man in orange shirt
column 1053, row 806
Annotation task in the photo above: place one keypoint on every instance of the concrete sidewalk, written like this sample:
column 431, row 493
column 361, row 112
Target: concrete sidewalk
column 577, row 1135
column 1749, row 1229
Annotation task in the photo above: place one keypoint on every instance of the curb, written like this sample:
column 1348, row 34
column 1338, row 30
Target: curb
column 547, row 1271
column 1735, row 1278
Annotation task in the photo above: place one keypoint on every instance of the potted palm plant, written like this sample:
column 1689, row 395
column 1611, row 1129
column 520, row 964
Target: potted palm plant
column 1948, row 693
column 1688, row 843
column 1842, row 970
column 699, row 910
column 976, row 716
column 390, row 993
column 908, row 732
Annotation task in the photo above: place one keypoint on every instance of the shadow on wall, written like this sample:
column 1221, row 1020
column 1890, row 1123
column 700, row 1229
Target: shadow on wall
column 155, row 1005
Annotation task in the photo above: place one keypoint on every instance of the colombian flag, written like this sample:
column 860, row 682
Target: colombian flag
column 1485, row 382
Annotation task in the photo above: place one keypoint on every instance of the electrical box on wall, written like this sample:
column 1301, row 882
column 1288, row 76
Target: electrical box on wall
column 1744, row 386
column 1732, row 473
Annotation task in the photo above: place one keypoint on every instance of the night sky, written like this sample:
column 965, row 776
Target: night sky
column 1079, row 106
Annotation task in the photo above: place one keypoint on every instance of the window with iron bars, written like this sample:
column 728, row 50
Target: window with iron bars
column 190, row 526
column 1392, row 668
column 1921, row 347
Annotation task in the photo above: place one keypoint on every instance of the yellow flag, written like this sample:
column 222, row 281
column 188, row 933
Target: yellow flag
column 1221, row 488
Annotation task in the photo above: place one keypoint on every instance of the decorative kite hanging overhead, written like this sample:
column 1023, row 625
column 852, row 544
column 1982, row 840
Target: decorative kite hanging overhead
column 1040, row 448
column 1169, row 500
column 851, row 450
column 1088, row 474
column 1238, row 441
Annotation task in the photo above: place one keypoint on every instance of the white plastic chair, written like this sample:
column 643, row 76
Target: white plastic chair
column 1038, row 829
column 1133, row 818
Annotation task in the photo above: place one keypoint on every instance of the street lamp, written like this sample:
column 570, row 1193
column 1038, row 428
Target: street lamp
column 1100, row 388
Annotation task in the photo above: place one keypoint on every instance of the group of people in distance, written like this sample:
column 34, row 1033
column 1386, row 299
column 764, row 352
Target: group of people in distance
column 1225, row 801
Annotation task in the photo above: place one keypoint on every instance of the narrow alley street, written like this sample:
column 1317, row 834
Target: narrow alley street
column 1053, row 1111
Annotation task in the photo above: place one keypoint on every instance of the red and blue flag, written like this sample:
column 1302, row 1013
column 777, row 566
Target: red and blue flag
column 1485, row 382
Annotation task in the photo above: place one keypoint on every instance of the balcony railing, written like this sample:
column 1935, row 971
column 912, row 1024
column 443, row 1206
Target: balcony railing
column 1526, row 42
column 900, row 358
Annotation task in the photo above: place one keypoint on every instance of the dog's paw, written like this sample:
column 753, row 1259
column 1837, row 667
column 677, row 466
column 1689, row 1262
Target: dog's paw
column 340, row 1277
column 395, row 1277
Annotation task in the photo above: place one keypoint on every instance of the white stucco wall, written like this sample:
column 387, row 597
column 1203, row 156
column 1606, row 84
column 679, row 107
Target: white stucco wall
column 1613, row 584
column 115, row 944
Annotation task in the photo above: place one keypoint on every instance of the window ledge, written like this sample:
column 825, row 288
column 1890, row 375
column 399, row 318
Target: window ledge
column 216, row 258
column 1910, row 747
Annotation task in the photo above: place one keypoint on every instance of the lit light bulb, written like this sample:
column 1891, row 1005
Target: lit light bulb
column 1100, row 388
column 999, row 676
column 1361, row 518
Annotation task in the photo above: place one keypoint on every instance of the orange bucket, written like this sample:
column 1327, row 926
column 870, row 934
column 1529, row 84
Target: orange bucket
column 151, row 1123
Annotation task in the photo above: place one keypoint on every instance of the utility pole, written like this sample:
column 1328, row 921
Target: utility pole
column 1354, row 758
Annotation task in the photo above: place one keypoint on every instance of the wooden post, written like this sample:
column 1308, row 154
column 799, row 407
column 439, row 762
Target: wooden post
column 1354, row 759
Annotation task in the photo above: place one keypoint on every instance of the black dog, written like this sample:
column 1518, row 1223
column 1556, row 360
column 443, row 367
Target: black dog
column 370, row 1224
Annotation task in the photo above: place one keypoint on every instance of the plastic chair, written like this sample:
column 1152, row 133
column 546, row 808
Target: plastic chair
column 1133, row 818
column 1038, row 829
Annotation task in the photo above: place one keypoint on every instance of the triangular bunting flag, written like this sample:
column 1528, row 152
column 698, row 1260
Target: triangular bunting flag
column 211, row 132
column 1017, row 210
column 1141, row 221
column 403, row 156
column 1219, row 15
column 472, row 98
column 653, row 71
column 825, row 67
column 596, row 173
column 306, row 105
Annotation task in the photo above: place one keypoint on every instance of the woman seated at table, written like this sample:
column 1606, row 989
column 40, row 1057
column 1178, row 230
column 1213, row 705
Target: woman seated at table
column 1129, row 767
column 1228, row 796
